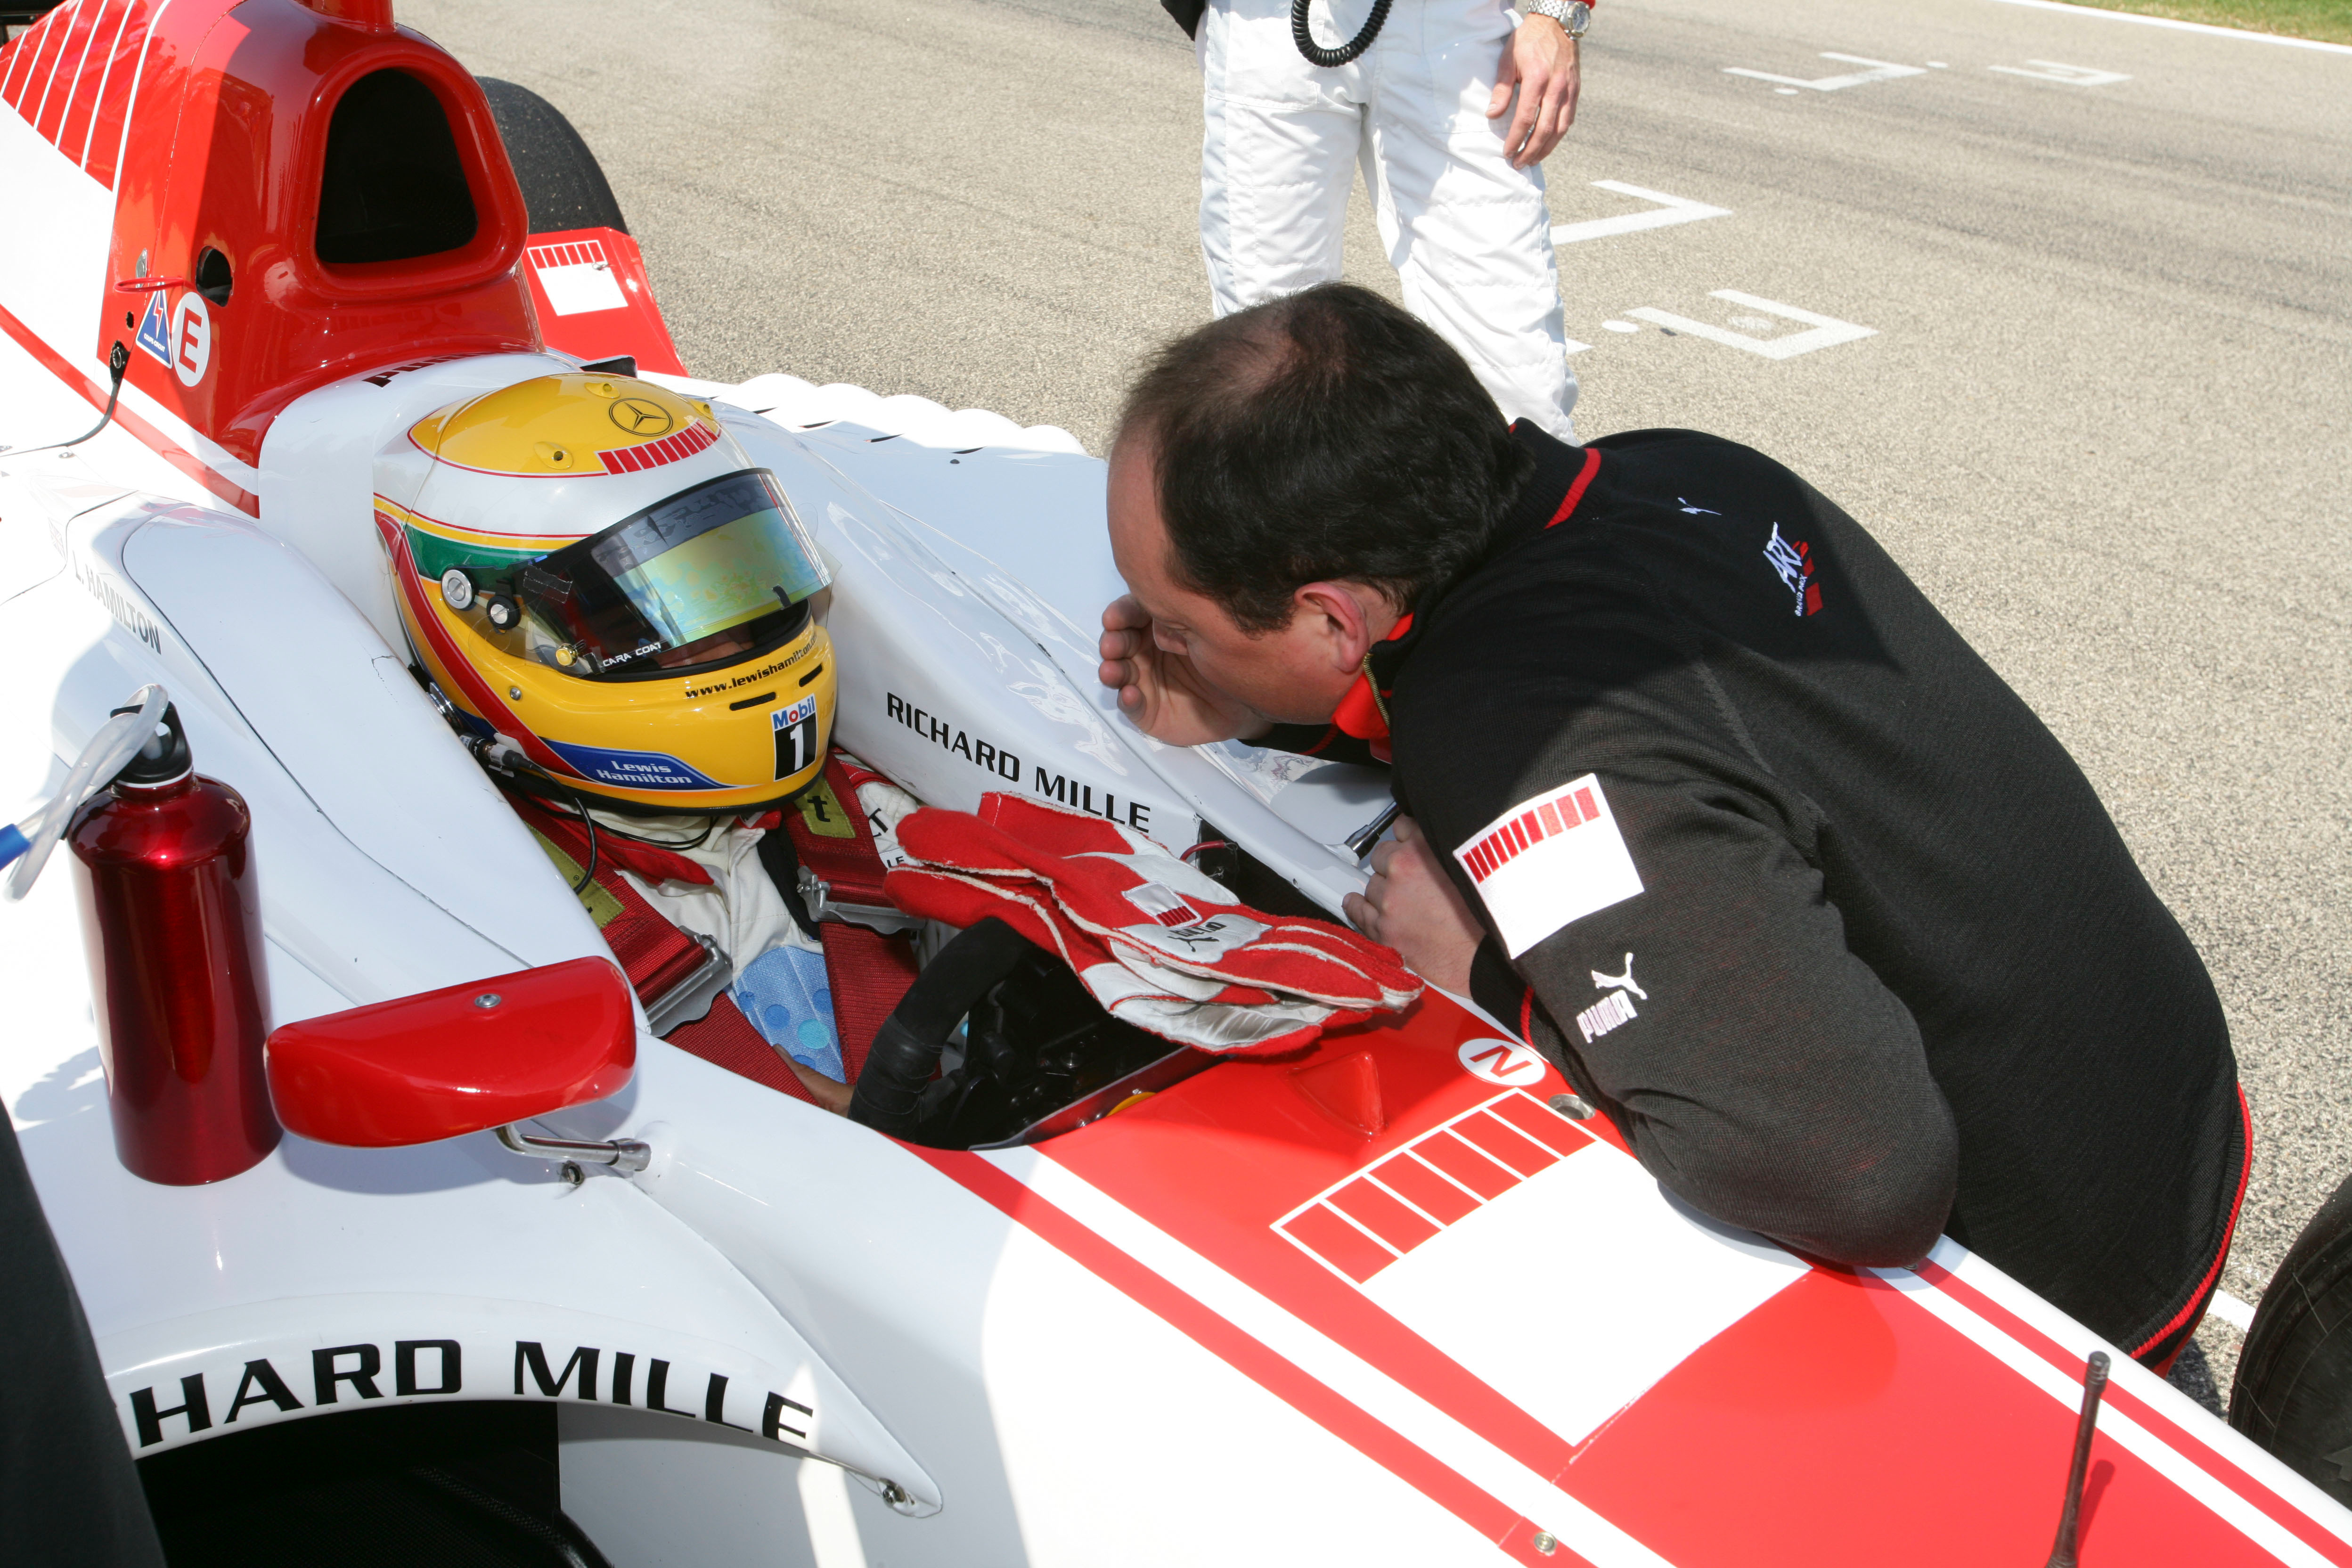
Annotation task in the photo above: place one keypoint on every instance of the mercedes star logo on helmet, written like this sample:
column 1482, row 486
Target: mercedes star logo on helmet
column 640, row 418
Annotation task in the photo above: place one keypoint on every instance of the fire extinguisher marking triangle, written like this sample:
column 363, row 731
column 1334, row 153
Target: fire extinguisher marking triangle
column 155, row 328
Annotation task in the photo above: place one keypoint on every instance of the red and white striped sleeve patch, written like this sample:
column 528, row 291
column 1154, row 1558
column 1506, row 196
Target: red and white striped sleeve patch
column 1550, row 859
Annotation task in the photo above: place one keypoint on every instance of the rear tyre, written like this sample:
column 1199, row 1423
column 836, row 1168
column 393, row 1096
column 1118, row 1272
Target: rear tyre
column 563, row 185
column 2294, row 1393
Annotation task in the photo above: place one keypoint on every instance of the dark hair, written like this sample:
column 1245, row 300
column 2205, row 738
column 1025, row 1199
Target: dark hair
column 1329, row 435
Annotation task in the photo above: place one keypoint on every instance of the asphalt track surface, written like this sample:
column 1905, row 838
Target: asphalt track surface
column 2104, row 414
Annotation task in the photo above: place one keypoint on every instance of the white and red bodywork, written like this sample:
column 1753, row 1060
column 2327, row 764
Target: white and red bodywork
column 1377, row 1302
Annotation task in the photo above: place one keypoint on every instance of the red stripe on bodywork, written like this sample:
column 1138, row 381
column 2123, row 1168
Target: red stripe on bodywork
column 1217, row 1166
column 103, row 147
column 163, row 446
column 1545, row 1129
column 41, row 46
column 73, row 130
column 17, row 52
column 1262, row 1366
column 55, row 73
column 1466, row 1165
column 1840, row 1416
column 2162, row 1426
column 1345, row 1248
column 1381, row 1214
column 1507, row 1145
column 1421, row 1186
column 65, row 82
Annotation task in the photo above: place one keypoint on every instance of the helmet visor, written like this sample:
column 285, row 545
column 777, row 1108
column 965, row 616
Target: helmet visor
column 704, row 577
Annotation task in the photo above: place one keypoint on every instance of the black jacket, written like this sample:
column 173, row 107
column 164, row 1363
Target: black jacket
column 1890, row 969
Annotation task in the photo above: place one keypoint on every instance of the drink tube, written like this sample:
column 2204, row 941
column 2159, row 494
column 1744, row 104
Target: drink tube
column 28, row 842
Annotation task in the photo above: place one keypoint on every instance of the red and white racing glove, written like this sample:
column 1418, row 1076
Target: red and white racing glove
column 1158, row 944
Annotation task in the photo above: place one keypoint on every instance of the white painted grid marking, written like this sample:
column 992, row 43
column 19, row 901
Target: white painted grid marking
column 1879, row 71
column 2073, row 76
column 1668, row 211
column 2232, row 1311
column 1827, row 330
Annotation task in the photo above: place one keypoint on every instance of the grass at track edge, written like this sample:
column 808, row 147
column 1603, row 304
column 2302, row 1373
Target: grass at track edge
column 2329, row 21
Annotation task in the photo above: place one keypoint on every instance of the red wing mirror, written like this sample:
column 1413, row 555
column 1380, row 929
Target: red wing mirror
column 419, row 1068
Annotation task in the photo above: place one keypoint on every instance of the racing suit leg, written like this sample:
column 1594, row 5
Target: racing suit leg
column 1279, row 139
column 1469, row 235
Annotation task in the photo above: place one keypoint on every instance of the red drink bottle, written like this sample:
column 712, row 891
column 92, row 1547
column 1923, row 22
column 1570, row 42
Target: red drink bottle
column 171, row 917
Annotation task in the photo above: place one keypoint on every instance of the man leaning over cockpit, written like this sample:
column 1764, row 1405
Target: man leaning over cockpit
column 1702, row 796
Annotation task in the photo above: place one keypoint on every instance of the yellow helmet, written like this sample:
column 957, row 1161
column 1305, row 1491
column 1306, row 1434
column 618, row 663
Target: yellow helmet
column 591, row 566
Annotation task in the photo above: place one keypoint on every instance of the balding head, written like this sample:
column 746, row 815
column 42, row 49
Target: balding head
column 1326, row 436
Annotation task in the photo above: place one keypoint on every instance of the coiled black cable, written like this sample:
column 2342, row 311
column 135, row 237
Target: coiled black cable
column 1327, row 58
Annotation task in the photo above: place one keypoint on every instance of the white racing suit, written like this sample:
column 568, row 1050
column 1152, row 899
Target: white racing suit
column 1469, row 235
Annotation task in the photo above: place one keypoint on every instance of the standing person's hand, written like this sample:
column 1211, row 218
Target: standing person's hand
column 1412, row 906
column 1539, row 62
column 1159, row 689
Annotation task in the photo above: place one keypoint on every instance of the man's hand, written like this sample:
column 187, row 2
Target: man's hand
column 1412, row 906
column 1539, row 61
column 1160, row 689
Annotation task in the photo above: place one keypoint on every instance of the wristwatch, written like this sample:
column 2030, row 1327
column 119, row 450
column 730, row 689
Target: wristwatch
column 1574, row 15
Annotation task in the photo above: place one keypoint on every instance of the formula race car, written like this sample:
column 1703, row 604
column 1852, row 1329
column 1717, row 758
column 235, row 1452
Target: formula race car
column 550, row 1266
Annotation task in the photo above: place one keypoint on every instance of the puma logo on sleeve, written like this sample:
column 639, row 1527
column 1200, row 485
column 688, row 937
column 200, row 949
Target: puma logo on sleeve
column 1613, row 1009
column 1621, row 982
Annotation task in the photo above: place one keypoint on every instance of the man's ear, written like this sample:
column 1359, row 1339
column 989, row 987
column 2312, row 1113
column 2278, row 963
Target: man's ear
column 1341, row 619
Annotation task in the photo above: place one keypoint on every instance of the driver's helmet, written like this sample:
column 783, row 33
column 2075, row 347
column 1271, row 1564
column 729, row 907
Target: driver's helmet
column 592, row 567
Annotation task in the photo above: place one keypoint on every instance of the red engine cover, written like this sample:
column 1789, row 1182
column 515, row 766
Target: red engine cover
column 457, row 1060
column 227, row 150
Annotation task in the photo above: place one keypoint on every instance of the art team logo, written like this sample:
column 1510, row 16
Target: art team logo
column 1794, row 562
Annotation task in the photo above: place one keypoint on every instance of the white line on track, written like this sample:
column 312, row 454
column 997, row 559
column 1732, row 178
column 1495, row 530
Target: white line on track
column 2182, row 27
column 1668, row 210
column 1874, row 71
column 1826, row 330
column 2073, row 76
column 2232, row 1311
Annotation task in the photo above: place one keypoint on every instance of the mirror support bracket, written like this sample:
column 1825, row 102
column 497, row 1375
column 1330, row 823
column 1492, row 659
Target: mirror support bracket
column 621, row 1153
